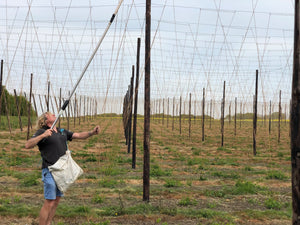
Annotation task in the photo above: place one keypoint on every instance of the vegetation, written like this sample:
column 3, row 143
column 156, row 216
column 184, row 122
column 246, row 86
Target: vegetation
column 192, row 182
column 11, row 104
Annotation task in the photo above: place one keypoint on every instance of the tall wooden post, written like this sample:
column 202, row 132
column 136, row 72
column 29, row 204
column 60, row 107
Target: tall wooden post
column 173, row 113
column 130, row 110
column 241, row 114
column 29, row 106
column 75, row 109
column 1, row 76
column 203, row 114
column 79, row 110
column 295, row 121
column 180, row 114
column 163, row 112
column 190, row 114
column 279, row 116
column 229, row 109
column 146, row 169
column 235, row 109
column 48, row 97
column 222, row 116
column 68, row 116
column 2, row 94
column 7, row 111
column 136, row 103
column 255, row 114
column 168, row 108
column 210, row 113
column 270, row 118
column 59, row 105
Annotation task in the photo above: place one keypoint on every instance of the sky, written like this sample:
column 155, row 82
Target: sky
column 195, row 45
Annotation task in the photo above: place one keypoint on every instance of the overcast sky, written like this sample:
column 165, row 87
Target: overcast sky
column 196, row 44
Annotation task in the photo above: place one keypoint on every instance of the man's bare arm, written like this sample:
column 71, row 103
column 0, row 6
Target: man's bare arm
column 86, row 134
column 33, row 141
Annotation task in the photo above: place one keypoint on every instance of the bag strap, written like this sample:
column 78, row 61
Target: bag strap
column 62, row 133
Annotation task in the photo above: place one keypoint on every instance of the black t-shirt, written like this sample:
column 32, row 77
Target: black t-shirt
column 54, row 146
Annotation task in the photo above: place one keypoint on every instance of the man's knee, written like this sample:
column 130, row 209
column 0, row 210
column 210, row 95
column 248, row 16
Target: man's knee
column 51, row 203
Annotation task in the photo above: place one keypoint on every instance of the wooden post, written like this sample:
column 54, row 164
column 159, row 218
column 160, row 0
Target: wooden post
column 180, row 115
column 270, row 118
column 203, row 114
column 146, row 169
column 295, row 121
column 163, row 112
column 48, row 97
column 29, row 106
column 59, row 105
column 75, row 108
column 68, row 116
column 279, row 116
column 7, row 111
column 190, row 115
column 130, row 110
column 84, row 103
column 235, row 109
column 229, row 109
column 210, row 113
column 255, row 115
column 195, row 111
column 222, row 115
column 168, row 113
column 136, row 103
column 1, row 75
column 173, row 113
column 18, row 109
column 241, row 113
column 79, row 110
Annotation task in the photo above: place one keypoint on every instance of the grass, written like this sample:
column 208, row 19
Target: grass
column 190, row 180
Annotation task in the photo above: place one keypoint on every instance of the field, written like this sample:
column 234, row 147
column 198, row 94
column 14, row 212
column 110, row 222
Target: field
column 192, row 182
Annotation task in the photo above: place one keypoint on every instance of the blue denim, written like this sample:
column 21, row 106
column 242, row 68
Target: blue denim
column 50, row 189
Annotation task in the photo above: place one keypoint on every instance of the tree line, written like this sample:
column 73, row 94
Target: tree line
column 9, row 102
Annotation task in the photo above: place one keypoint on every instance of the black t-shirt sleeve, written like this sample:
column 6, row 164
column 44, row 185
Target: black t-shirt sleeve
column 68, row 134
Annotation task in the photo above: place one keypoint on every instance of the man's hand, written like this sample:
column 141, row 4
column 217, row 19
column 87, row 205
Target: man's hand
column 96, row 130
column 47, row 133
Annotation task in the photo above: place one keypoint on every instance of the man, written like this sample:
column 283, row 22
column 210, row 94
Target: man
column 52, row 144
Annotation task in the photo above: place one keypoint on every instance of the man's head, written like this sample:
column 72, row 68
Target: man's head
column 46, row 120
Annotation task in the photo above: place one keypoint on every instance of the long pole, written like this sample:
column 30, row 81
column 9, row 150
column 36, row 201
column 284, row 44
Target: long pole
column 279, row 116
column 255, row 115
column 130, row 110
column 1, row 75
column 136, row 103
column 87, row 65
column 146, row 168
column 222, row 116
column 190, row 114
column 295, row 121
column 203, row 114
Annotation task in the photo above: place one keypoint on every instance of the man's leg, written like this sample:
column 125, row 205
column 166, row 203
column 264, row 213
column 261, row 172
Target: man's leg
column 53, row 209
column 46, row 211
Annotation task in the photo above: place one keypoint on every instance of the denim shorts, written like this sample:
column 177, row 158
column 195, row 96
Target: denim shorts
column 50, row 189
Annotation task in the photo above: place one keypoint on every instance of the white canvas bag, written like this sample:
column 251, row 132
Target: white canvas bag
column 65, row 171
